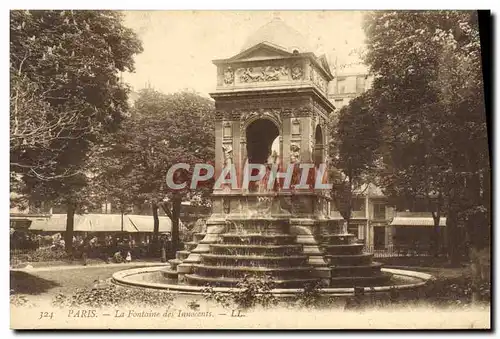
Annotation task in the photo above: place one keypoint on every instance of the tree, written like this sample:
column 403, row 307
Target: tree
column 354, row 152
column 163, row 130
column 429, row 89
column 74, row 58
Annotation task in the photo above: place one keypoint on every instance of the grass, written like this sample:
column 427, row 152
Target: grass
column 59, row 281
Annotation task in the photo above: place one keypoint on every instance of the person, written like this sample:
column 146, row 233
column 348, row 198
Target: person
column 163, row 248
column 118, row 257
column 128, row 259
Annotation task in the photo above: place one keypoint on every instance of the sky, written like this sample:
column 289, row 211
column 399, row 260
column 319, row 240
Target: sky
column 179, row 46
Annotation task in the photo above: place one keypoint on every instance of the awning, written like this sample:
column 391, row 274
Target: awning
column 101, row 223
column 54, row 223
column 144, row 223
column 104, row 223
column 417, row 221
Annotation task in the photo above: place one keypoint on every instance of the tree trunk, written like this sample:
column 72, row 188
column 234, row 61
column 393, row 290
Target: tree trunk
column 480, row 267
column 70, row 225
column 452, row 236
column 156, row 226
column 436, row 236
column 176, row 212
column 478, row 231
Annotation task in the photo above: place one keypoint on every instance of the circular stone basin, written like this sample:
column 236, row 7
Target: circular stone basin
column 152, row 277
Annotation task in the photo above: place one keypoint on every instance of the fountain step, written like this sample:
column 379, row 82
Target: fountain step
column 374, row 280
column 260, row 225
column 242, row 271
column 182, row 255
column 189, row 246
column 174, row 262
column 342, row 249
column 346, row 260
column 356, row 271
column 195, row 279
column 253, row 257
column 253, row 261
column 254, row 269
column 338, row 239
column 197, row 237
column 262, row 250
column 169, row 273
column 258, row 239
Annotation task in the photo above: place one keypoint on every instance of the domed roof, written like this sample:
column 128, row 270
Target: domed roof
column 279, row 34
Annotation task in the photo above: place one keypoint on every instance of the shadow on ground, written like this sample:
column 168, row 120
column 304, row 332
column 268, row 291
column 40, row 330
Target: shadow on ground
column 25, row 283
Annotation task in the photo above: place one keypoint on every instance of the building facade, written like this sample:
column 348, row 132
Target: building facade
column 374, row 220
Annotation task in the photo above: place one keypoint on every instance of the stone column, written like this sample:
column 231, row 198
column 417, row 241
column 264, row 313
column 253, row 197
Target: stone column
column 237, row 159
column 286, row 141
column 305, row 129
column 219, row 157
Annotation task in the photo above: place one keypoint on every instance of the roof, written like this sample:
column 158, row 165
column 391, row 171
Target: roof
column 279, row 34
column 101, row 223
column 417, row 221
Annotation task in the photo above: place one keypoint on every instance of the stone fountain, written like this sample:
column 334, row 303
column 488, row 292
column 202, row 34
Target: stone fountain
column 271, row 99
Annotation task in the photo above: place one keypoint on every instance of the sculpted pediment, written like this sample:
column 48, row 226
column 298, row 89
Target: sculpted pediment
column 262, row 51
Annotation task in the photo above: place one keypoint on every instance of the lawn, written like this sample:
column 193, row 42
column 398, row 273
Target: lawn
column 59, row 281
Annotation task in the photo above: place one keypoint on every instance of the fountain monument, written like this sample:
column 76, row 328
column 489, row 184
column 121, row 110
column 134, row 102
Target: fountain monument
column 272, row 107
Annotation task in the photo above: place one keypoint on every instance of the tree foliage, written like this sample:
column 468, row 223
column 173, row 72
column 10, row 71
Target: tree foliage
column 66, row 94
column 428, row 90
column 162, row 130
column 354, row 152
column 65, row 86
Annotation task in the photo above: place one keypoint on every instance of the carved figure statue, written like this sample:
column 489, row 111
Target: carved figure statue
column 294, row 153
column 228, row 155
column 250, row 76
column 269, row 73
column 229, row 76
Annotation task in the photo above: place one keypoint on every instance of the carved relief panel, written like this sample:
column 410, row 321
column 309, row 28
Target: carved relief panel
column 316, row 78
column 297, row 72
column 246, row 116
column 229, row 76
column 295, row 127
column 247, row 74
column 227, row 130
column 262, row 74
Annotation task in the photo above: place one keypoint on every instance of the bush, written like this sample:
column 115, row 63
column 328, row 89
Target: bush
column 223, row 299
column 19, row 300
column 112, row 295
column 457, row 291
column 311, row 296
column 250, row 292
column 253, row 291
column 39, row 255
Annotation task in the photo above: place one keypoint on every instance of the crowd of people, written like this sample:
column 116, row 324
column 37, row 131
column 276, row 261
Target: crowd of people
column 117, row 248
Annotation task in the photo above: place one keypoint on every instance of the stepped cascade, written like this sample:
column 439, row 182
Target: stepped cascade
column 272, row 109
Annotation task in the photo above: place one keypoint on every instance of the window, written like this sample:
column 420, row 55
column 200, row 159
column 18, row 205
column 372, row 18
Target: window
column 379, row 211
column 354, row 229
column 341, row 86
column 360, row 84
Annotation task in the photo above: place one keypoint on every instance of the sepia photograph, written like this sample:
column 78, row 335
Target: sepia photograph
column 271, row 169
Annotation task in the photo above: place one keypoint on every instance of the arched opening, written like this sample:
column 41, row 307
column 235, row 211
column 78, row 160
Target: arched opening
column 318, row 146
column 262, row 148
column 261, row 135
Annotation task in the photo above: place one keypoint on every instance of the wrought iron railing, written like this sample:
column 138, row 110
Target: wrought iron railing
column 398, row 251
